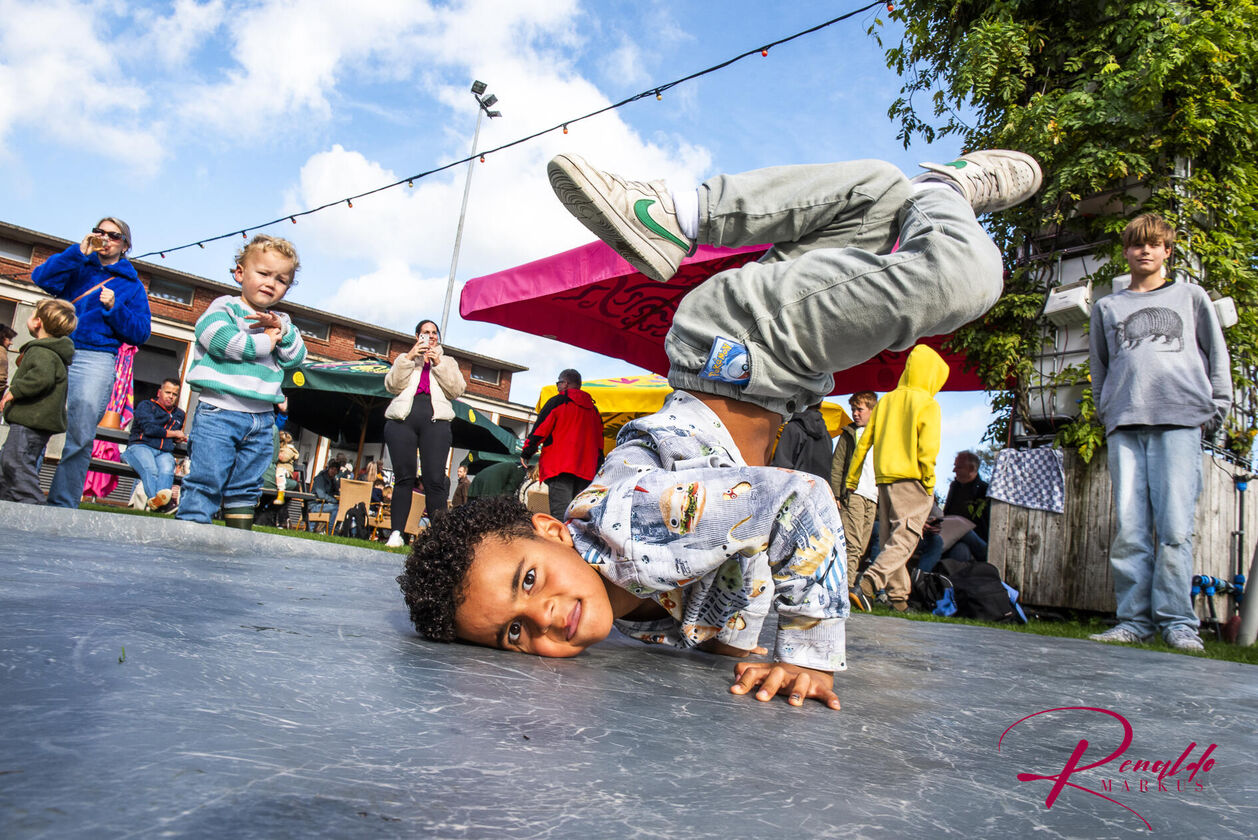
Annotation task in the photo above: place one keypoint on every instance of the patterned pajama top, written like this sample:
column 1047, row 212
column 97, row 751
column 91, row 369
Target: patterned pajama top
column 675, row 515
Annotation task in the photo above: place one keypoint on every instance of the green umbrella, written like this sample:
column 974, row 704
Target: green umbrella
column 346, row 401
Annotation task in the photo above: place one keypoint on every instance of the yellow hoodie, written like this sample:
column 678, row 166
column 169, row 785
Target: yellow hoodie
column 904, row 427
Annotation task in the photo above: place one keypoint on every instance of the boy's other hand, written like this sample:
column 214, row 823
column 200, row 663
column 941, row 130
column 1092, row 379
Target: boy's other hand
column 797, row 682
column 5, row 400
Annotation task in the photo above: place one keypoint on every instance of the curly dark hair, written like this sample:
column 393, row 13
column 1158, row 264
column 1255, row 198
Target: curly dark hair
column 433, row 581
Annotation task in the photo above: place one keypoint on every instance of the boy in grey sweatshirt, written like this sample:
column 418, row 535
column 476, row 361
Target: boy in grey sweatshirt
column 1160, row 373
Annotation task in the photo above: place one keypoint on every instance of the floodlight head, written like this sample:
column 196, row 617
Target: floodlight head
column 478, row 87
column 489, row 101
column 492, row 114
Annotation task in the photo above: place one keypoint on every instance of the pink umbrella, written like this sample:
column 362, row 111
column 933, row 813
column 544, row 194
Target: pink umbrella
column 591, row 298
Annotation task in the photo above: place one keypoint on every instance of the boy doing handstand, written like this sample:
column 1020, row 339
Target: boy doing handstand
column 684, row 537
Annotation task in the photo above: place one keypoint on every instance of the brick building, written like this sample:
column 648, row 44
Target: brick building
column 177, row 299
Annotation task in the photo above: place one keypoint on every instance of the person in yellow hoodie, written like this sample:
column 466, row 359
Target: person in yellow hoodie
column 903, row 432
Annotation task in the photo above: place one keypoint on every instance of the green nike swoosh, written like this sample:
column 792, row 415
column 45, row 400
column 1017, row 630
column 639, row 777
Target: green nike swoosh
column 640, row 208
column 956, row 164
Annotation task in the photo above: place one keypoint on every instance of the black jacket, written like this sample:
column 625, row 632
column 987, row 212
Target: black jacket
column 805, row 444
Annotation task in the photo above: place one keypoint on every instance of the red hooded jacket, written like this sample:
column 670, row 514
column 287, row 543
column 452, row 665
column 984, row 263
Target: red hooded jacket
column 570, row 432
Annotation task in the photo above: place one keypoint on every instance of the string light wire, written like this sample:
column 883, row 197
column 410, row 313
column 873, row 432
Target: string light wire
column 656, row 91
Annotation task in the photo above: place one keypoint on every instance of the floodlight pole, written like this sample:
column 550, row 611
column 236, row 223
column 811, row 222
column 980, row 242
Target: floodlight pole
column 482, row 109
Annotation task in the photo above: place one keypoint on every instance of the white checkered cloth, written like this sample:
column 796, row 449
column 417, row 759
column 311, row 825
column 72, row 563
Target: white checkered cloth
column 1030, row 478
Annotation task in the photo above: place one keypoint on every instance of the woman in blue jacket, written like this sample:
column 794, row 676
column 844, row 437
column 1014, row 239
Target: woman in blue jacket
column 113, row 307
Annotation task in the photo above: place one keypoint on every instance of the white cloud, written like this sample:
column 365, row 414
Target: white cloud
column 181, row 33
column 61, row 78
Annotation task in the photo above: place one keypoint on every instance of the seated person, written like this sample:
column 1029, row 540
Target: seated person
column 155, row 428
column 327, row 490
column 967, row 497
column 685, row 537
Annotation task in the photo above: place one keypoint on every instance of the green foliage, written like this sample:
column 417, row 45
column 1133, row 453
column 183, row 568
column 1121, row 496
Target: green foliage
column 1108, row 96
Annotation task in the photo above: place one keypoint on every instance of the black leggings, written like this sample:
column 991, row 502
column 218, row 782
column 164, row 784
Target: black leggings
column 432, row 439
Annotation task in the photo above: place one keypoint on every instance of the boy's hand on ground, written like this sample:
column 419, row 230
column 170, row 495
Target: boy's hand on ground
column 796, row 682
column 717, row 647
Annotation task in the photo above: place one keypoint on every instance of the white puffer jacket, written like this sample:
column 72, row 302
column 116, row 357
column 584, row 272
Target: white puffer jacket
column 403, row 378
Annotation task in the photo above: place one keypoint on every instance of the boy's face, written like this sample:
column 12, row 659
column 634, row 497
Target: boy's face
column 1146, row 259
column 860, row 414
column 264, row 278
column 534, row 595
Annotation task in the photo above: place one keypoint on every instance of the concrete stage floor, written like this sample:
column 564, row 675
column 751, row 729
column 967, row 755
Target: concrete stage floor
column 273, row 688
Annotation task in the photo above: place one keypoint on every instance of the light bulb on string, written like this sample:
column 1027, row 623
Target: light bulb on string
column 349, row 204
column 482, row 158
column 293, row 219
column 565, row 128
column 411, row 183
column 765, row 52
column 201, row 245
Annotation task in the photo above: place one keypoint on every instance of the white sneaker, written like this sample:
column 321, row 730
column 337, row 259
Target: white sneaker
column 395, row 540
column 1182, row 637
column 992, row 180
column 1119, row 634
column 637, row 218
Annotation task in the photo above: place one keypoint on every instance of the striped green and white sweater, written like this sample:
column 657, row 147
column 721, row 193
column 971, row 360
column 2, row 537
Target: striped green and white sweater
column 234, row 364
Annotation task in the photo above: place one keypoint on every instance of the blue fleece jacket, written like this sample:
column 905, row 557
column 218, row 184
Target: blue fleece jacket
column 71, row 273
column 151, row 423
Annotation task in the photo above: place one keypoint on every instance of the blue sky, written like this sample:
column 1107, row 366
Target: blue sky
column 192, row 119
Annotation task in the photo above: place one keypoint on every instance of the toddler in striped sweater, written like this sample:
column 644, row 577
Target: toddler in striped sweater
column 242, row 350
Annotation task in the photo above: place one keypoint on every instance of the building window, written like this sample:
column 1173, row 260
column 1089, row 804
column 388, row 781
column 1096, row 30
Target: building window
column 171, row 291
column 490, row 376
column 13, row 250
column 371, row 344
column 310, row 328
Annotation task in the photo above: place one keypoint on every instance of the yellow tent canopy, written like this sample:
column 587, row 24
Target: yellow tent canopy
column 623, row 398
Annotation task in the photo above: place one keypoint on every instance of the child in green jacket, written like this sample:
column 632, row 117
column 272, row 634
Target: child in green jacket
column 35, row 404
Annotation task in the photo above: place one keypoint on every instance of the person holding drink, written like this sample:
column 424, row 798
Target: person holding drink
column 425, row 381
column 112, row 307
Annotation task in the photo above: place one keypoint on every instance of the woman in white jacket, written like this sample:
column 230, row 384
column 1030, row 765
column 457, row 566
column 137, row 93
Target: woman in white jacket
column 425, row 381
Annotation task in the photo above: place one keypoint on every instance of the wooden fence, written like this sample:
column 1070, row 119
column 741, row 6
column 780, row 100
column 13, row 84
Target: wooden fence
column 1062, row 559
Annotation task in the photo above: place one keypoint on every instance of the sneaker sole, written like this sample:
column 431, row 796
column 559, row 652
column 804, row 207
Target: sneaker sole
column 859, row 601
column 1010, row 201
column 586, row 203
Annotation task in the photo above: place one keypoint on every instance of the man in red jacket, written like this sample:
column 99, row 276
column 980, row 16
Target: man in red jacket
column 570, row 432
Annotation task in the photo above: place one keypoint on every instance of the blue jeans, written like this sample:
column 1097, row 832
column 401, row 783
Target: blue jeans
column 156, row 468
column 229, row 450
column 1157, row 479
column 89, row 380
column 970, row 547
column 329, row 508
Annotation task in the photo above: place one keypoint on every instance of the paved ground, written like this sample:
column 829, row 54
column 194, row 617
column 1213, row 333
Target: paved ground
column 268, row 692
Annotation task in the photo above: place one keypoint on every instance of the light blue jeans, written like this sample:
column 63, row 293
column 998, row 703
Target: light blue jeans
column 89, row 380
column 156, row 468
column 830, row 294
column 229, row 452
column 1157, row 478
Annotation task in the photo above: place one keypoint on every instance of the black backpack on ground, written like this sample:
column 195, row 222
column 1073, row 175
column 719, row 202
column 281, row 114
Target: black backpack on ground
column 355, row 523
column 928, row 589
column 979, row 591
